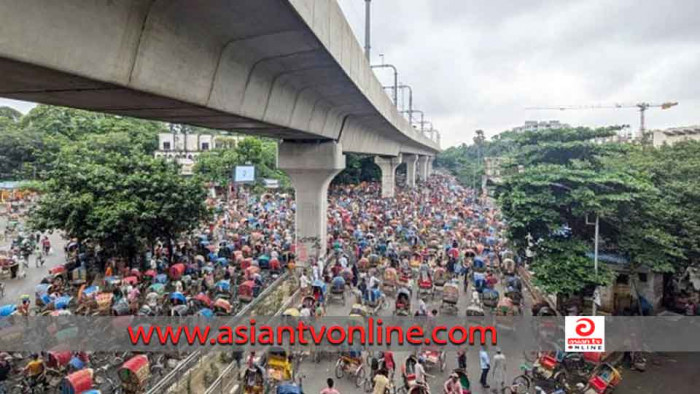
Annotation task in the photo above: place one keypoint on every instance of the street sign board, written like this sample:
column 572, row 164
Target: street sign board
column 244, row 174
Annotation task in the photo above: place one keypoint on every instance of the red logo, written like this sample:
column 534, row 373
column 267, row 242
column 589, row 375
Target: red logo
column 585, row 327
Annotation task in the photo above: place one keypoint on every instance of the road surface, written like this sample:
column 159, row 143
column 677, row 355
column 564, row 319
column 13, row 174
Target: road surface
column 316, row 374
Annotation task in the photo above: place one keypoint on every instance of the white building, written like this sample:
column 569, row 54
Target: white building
column 184, row 148
column 674, row 135
column 533, row 125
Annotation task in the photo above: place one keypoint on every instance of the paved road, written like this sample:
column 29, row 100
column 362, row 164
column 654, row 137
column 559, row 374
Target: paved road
column 316, row 374
column 666, row 373
column 14, row 288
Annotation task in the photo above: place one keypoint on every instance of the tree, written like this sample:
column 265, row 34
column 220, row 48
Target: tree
column 358, row 168
column 217, row 165
column 568, row 178
column 106, row 190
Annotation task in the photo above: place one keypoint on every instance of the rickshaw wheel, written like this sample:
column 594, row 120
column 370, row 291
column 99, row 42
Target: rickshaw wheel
column 521, row 384
column 339, row 370
column 360, row 376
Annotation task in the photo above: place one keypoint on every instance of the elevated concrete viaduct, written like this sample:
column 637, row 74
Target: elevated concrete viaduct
column 286, row 69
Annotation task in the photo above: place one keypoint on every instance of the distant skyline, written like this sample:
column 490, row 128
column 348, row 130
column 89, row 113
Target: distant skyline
column 478, row 65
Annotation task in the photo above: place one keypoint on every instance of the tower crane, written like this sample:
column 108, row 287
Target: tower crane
column 641, row 106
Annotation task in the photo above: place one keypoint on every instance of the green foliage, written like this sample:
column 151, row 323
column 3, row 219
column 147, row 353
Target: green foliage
column 466, row 162
column 217, row 165
column 29, row 144
column 568, row 178
column 358, row 168
column 105, row 189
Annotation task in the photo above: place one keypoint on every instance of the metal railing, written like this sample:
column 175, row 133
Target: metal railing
column 193, row 359
column 227, row 379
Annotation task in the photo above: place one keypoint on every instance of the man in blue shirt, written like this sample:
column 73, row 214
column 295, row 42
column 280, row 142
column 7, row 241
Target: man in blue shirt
column 485, row 366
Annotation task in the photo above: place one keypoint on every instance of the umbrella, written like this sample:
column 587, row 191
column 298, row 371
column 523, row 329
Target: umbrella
column 223, row 261
column 177, row 296
column 151, row 273
column 157, row 287
column 89, row 291
column 42, row 289
column 8, row 310
column 161, row 278
column 206, row 312
column 132, row 280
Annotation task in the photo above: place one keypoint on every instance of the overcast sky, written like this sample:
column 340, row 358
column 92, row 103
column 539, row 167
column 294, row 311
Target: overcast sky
column 476, row 64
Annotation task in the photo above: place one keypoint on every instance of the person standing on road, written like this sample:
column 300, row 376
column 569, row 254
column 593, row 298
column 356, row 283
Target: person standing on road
column 381, row 382
column 499, row 370
column 485, row 366
column 330, row 389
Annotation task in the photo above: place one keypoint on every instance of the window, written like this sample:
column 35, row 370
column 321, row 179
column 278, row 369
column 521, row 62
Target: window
column 622, row 279
column 166, row 145
column 643, row 277
column 205, row 146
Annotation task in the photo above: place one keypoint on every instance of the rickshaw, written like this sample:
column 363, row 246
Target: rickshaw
column 425, row 285
column 205, row 312
column 478, row 264
column 347, row 274
column 264, row 262
column 202, row 300
column 157, row 288
column 131, row 280
column 176, row 271
column 403, row 302
column 112, row 282
column 104, row 303
column 223, row 288
column 416, row 260
column 180, row 310
column 251, row 271
column 363, row 264
column 318, row 289
column 351, row 363
column 316, row 308
column 222, row 307
column 77, row 382
column 439, row 278
column 161, row 278
column 603, row 379
column 390, row 281
column 506, row 307
column 149, row 276
column 280, row 367
column 134, row 374
column 408, row 372
column 434, row 357
column 475, row 310
column 374, row 260
column 489, row 298
column 245, row 291
column 254, row 379
column 515, row 295
column 450, row 297
column 376, row 299
column 338, row 289
column 508, row 267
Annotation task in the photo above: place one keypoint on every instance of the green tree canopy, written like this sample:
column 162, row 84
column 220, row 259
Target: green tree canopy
column 105, row 189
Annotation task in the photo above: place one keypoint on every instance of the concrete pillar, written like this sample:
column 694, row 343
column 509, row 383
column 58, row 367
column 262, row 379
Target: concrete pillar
column 423, row 167
column 430, row 165
column 311, row 167
column 411, row 161
column 388, row 166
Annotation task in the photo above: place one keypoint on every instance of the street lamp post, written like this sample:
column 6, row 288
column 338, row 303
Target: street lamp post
column 410, row 101
column 595, row 259
column 396, row 80
column 367, row 30
column 422, row 122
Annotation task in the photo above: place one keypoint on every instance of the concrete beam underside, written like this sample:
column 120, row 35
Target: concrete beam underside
column 311, row 167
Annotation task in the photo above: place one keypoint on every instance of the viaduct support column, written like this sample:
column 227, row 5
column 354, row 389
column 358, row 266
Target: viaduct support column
column 388, row 166
column 311, row 167
column 411, row 161
column 430, row 165
column 423, row 167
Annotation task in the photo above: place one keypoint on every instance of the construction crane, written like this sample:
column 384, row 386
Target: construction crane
column 641, row 106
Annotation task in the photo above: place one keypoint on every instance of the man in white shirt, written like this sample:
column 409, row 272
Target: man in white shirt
column 304, row 282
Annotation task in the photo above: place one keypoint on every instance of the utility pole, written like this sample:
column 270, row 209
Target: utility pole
column 367, row 22
column 595, row 259
column 410, row 102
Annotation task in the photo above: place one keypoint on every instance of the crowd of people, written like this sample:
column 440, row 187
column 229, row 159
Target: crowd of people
column 439, row 229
